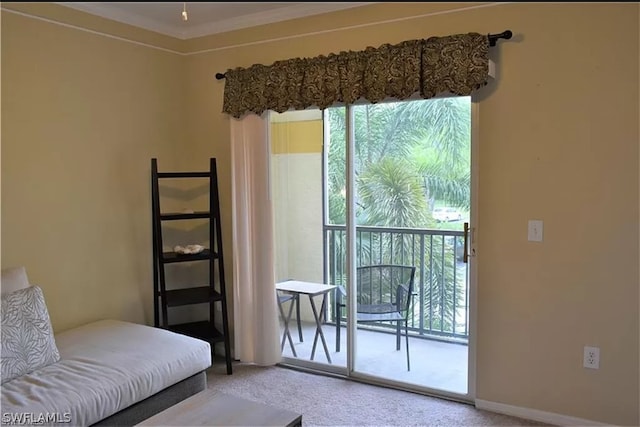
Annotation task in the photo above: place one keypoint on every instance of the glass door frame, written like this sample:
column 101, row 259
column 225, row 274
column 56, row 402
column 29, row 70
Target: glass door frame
column 351, row 325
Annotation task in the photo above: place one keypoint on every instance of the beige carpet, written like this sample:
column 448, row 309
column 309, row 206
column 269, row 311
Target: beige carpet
column 328, row 401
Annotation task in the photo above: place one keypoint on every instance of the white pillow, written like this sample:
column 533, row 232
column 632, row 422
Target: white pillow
column 27, row 336
column 13, row 279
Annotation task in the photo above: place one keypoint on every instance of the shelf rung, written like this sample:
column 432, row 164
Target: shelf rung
column 184, row 174
column 179, row 215
column 188, row 296
column 202, row 330
column 171, row 257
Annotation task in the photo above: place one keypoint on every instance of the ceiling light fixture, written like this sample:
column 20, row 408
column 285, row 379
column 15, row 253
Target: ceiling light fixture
column 185, row 17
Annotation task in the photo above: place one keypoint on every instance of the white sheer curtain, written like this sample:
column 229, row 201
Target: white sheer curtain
column 256, row 326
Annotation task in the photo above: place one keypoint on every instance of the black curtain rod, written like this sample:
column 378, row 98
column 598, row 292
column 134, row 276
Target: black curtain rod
column 493, row 38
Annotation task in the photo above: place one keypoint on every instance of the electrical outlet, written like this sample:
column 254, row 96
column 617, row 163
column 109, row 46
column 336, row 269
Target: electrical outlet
column 591, row 358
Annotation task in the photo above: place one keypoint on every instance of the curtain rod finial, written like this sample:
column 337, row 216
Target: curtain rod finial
column 493, row 38
column 220, row 76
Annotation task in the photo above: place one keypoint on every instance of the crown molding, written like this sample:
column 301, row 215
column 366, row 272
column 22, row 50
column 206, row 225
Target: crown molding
column 178, row 31
column 125, row 18
column 267, row 17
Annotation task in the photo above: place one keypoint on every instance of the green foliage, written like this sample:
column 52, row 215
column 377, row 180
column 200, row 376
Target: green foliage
column 398, row 147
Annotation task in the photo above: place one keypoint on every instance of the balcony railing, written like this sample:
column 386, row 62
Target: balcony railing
column 441, row 305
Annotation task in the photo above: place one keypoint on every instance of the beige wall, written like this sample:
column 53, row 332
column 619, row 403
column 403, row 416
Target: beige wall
column 82, row 115
column 558, row 141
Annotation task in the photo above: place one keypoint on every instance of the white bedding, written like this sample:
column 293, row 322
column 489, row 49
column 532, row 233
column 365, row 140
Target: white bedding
column 105, row 367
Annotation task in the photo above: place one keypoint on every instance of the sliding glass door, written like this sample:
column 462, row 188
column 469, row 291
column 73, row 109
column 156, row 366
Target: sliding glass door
column 410, row 282
column 372, row 200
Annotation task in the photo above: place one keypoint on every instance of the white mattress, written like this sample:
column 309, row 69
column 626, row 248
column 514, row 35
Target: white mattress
column 106, row 366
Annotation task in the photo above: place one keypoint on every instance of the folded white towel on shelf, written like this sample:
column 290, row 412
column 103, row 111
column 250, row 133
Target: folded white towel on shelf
column 189, row 249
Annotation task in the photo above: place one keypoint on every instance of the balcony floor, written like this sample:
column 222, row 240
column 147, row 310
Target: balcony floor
column 434, row 364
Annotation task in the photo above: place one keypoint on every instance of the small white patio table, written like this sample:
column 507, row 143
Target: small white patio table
column 311, row 289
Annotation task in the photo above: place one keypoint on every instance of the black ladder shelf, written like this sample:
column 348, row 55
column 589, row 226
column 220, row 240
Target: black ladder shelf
column 197, row 294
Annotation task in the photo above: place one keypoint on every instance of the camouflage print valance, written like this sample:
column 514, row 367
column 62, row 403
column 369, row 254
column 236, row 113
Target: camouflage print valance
column 457, row 64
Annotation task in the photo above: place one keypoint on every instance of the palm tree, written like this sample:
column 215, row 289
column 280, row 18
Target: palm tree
column 391, row 194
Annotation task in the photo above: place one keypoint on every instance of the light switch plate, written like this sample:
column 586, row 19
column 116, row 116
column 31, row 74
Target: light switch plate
column 535, row 230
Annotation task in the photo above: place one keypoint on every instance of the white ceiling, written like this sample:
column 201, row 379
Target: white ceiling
column 204, row 18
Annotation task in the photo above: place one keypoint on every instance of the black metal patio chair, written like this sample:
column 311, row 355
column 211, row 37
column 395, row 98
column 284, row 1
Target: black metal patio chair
column 384, row 294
